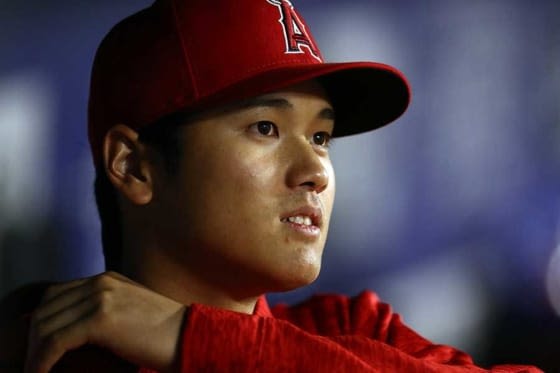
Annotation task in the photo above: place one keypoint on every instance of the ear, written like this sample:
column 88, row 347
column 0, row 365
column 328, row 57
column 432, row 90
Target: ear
column 127, row 164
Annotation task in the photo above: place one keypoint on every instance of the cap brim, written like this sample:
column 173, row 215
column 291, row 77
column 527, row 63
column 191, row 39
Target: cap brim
column 365, row 95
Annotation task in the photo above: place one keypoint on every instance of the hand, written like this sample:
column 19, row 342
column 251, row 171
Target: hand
column 108, row 310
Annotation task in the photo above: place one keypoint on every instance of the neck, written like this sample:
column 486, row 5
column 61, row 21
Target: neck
column 171, row 277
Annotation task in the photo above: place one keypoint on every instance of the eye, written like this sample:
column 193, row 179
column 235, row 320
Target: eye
column 322, row 139
column 264, row 128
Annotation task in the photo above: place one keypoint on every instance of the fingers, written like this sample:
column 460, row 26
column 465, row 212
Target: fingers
column 60, row 324
column 61, row 319
column 60, row 296
column 48, row 350
column 56, row 289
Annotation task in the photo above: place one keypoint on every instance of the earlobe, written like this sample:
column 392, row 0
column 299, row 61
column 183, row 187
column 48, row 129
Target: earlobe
column 126, row 164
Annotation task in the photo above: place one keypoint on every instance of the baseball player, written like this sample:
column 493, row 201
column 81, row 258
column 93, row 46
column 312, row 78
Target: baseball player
column 209, row 125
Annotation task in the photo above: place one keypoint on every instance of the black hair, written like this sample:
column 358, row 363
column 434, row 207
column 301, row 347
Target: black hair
column 164, row 136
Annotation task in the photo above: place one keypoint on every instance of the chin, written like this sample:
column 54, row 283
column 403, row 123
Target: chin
column 297, row 277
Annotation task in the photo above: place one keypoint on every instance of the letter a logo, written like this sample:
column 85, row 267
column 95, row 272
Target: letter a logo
column 295, row 34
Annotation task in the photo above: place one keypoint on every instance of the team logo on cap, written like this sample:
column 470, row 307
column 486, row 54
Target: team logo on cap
column 295, row 33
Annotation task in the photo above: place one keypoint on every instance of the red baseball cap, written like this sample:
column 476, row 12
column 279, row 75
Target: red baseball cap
column 191, row 55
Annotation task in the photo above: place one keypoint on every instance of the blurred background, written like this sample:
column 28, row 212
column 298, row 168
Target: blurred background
column 452, row 214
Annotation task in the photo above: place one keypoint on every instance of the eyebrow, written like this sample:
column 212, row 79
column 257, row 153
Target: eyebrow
column 265, row 102
column 281, row 103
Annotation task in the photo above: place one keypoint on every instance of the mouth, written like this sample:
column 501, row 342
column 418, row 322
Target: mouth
column 302, row 220
column 307, row 216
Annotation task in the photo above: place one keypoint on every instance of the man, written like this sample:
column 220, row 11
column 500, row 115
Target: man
column 209, row 125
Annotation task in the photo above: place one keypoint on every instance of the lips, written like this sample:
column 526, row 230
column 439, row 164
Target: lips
column 306, row 216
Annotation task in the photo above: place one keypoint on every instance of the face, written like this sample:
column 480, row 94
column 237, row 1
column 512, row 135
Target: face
column 250, row 205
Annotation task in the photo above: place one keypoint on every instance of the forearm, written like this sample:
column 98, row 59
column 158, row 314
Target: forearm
column 222, row 341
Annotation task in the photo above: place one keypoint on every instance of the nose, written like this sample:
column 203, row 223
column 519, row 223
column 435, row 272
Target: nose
column 308, row 169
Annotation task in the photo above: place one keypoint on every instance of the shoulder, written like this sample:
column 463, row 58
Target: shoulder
column 335, row 314
column 364, row 319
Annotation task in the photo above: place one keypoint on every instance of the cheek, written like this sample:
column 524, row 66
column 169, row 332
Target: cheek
column 245, row 176
column 329, row 193
column 230, row 189
column 251, row 172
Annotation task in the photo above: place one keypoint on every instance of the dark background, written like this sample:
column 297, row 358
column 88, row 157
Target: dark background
column 451, row 214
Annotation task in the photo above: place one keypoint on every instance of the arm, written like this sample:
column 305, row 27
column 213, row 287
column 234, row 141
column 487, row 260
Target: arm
column 221, row 341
